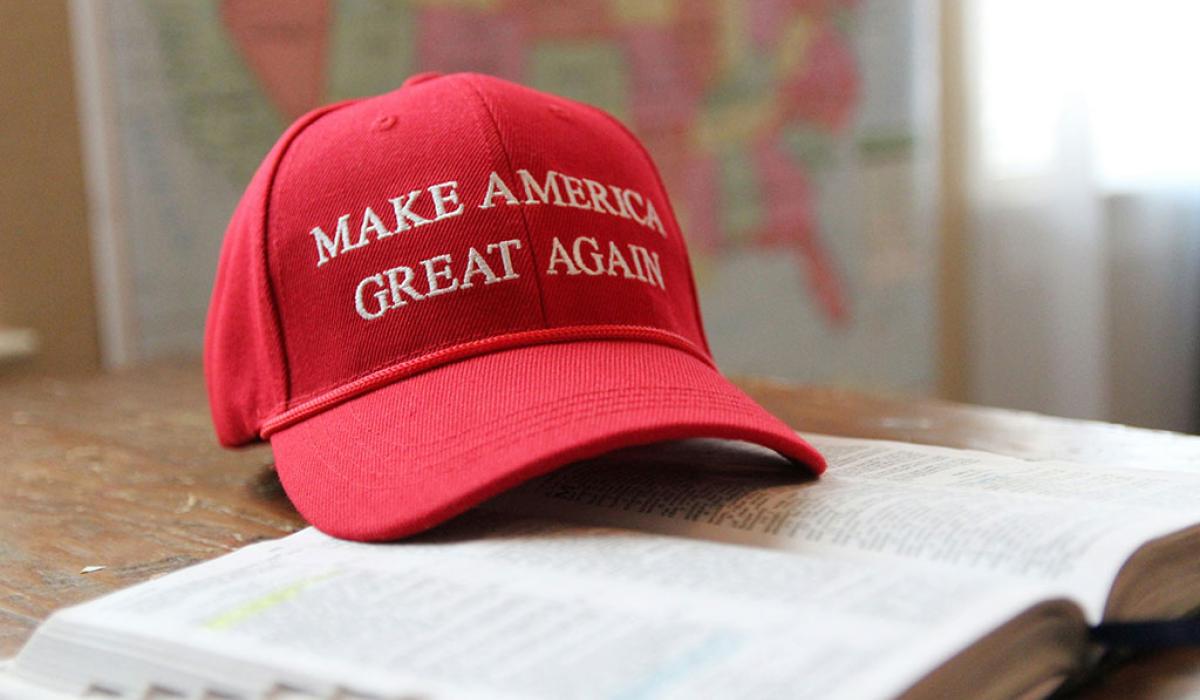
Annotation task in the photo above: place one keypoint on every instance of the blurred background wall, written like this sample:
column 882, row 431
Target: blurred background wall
column 941, row 198
column 47, row 308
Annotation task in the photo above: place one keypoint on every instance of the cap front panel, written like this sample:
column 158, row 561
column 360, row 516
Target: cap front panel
column 459, row 210
column 379, row 250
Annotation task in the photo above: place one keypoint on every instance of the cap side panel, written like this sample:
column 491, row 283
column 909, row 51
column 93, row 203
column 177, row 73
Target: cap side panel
column 238, row 370
column 282, row 147
column 490, row 116
column 245, row 360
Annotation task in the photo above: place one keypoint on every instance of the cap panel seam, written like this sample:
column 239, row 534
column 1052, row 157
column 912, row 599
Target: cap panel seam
column 489, row 112
column 297, row 128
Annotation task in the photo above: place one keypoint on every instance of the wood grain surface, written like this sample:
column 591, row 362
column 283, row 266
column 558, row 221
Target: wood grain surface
column 121, row 471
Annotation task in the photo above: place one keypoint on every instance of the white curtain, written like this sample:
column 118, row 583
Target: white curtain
column 1083, row 186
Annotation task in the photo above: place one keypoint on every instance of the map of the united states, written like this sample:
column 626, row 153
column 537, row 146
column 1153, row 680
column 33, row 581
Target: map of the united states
column 793, row 136
column 734, row 100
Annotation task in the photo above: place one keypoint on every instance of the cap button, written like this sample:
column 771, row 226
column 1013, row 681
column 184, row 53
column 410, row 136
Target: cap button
column 419, row 78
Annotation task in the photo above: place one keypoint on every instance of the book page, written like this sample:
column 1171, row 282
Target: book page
column 1069, row 526
column 497, row 606
column 892, row 462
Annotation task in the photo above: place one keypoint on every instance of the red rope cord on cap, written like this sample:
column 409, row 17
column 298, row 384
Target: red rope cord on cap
column 444, row 356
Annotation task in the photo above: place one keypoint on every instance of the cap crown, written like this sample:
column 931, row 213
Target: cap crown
column 455, row 216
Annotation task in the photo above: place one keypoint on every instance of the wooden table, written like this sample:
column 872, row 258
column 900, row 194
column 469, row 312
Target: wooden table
column 122, row 471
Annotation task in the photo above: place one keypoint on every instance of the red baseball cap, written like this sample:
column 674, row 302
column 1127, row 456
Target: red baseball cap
column 429, row 296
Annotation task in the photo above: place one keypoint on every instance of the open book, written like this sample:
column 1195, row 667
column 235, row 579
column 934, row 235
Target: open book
column 696, row 569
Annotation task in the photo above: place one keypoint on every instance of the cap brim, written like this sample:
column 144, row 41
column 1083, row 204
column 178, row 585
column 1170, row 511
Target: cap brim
column 417, row 452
